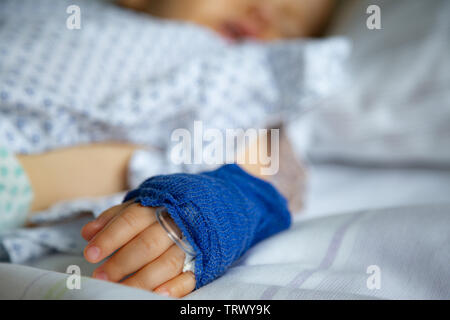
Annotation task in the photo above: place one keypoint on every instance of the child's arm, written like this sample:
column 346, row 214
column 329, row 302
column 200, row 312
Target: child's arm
column 222, row 213
column 140, row 246
column 101, row 169
column 82, row 171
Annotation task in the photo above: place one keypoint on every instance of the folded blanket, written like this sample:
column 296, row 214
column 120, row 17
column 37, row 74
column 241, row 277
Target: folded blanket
column 222, row 213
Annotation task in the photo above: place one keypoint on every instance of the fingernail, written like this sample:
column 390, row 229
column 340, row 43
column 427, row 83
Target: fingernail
column 101, row 276
column 92, row 253
column 163, row 292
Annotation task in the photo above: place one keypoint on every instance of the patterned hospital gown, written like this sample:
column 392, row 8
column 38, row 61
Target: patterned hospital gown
column 125, row 76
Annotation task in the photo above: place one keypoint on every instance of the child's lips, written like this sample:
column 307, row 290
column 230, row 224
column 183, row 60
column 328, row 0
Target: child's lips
column 237, row 30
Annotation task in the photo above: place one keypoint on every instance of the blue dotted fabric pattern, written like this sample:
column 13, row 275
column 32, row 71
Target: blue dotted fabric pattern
column 21, row 245
column 126, row 76
column 15, row 192
column 222, row 213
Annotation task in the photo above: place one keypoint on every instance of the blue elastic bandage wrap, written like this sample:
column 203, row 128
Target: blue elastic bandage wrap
column 222, row 213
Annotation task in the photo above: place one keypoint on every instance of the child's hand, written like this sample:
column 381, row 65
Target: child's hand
column 138, row 245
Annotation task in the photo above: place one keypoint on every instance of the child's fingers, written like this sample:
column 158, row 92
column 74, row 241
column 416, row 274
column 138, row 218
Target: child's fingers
column 143, row 249
column 91, row 228
column 166, row 267
column 121, row 229
column 179, row 286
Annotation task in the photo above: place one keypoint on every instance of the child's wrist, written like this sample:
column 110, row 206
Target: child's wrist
column 222, row 213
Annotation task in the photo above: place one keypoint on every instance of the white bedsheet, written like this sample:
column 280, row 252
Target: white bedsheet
column 334, row 188
column 320, row 257
column 324, row 258
column 396, row 107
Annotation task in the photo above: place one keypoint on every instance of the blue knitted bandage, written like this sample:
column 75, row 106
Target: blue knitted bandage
column 222, row 213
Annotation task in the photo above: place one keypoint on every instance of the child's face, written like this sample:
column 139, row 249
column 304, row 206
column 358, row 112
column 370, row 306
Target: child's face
column 241, row 19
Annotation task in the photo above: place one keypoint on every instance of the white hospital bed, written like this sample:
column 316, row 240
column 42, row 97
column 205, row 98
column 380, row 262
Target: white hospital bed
column 367, row 231
column 325, row 255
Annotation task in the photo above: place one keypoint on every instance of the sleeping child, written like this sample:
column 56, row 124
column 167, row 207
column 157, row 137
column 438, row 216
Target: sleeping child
column 174, row 232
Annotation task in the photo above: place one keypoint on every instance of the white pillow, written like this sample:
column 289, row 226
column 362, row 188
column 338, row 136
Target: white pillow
column 396, row 109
